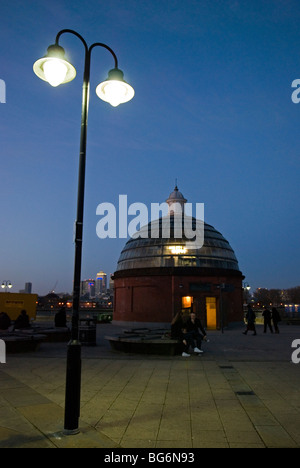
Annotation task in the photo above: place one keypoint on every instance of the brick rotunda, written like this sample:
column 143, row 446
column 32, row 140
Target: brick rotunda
column 157, row 277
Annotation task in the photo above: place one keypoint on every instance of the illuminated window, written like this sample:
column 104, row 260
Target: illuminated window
column 178, row 249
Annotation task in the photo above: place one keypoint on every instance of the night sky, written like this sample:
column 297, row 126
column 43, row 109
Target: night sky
column 212, row 108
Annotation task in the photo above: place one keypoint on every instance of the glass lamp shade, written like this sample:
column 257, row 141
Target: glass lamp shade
column 115, row 90
column 54, row 68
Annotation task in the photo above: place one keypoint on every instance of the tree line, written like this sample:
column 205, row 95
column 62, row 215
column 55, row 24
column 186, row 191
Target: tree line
column 263, row 296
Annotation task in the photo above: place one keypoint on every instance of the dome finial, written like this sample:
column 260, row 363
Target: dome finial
column 176, row 201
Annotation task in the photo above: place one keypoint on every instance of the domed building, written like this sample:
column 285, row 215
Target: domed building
column 158, row 275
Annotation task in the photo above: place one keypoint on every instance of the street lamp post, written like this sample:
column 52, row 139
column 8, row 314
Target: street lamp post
column 55, row 69
column 6, row 285
column 246, row 292
column 222, row 287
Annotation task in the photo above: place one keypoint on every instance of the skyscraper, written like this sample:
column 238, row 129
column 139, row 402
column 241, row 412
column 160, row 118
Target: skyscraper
column 101, row 283
column 28, row 288
column 111, row 284
column 87, row 288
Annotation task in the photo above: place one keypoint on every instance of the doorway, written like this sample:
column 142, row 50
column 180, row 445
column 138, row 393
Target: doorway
column 211, row 313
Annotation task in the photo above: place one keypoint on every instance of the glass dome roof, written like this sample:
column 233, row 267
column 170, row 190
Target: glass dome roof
column 152, row 249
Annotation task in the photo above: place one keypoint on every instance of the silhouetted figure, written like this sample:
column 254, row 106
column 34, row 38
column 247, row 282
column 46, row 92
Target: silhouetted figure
column 22, row 321
column 193, row 325
column 251, row 317
column 5, row 321
column 276, row 319
column 176, row 326
column 179, row 332
column 61, row 318
column 267, row 320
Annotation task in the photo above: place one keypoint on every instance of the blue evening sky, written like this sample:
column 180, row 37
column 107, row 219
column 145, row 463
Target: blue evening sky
column 212, row 108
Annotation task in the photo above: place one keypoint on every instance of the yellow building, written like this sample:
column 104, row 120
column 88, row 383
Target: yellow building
column 13, row 303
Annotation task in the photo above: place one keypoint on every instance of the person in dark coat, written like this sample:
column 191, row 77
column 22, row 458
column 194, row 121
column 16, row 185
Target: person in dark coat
column 22, row 321
column 179, row 332
column 250, row 317
column 193, row 325
column 176, row 326
column 276, row 319
column 5, row 321
column 267, row 320
column 60, row 319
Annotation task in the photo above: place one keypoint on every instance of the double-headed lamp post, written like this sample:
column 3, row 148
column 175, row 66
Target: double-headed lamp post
column 6, row 285
column 55, row 69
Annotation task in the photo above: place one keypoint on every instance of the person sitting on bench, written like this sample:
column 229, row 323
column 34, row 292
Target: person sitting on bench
column 179, row 332
column 193, row 325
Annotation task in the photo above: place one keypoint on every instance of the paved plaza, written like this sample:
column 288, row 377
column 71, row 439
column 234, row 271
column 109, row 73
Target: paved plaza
column 244, row 392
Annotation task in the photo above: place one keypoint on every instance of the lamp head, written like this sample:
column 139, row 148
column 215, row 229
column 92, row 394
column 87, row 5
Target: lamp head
column 115, row 90
column 54, row 68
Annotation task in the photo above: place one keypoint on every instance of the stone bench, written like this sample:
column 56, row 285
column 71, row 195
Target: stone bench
column 144, row 341
column 21, row 343
column 54, row 334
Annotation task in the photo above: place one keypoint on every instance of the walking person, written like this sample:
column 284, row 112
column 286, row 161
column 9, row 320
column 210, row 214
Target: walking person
column 267, row 320
column 250, row 317
column 276, row 319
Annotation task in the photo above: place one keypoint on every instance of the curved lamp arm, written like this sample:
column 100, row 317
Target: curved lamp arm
column 88, row 49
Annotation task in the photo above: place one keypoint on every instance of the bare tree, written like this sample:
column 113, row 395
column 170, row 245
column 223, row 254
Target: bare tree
column 293, row 295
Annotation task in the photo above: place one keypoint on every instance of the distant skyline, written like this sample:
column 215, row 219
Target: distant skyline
column 213, row 108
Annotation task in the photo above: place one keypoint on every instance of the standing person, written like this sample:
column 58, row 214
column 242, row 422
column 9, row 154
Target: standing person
column 276, row 319
column 193, row 326
column 251, row 317
column 60, row 319
column 267, row 320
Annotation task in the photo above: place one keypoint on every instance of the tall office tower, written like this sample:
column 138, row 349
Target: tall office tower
column 87, row 288
column 111, row 283
column 28, row 288
column 101, row 283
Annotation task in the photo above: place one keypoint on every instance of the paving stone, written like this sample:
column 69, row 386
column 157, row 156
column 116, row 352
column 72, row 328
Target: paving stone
column 158, row 402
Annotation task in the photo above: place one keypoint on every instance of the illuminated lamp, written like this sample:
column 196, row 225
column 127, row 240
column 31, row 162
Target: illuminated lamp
column 54, row 68
column 187, row 302
column 115, row 90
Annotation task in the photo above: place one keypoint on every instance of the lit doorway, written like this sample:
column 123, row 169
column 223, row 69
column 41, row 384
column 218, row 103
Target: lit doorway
column 211, row 313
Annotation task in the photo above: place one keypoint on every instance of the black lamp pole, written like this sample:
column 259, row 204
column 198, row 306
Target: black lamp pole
column 73, row 380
